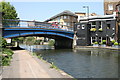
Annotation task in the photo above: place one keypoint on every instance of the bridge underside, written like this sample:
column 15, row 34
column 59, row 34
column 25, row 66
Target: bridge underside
column 62, row 40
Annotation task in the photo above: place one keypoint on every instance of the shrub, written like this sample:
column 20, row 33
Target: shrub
column 8, row 56
column 51, row 42
column 95, row 42
column 3, row 43
column 113, row 41
column 104, row 41
column 116, row 43
column 100, row 29
column 93, row 29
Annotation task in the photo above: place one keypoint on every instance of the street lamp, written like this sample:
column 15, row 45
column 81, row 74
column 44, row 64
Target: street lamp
column 87, row 10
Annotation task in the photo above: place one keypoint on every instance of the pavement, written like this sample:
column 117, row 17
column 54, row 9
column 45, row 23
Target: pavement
column 24, row 65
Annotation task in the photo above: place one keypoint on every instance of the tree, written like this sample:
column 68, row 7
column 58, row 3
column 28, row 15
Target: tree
column 30, row 40
column 8, row 12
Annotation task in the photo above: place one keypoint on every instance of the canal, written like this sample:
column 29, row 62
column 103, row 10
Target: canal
column 82, row 63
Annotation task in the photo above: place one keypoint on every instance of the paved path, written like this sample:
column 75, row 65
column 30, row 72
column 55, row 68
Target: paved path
column 24, row 65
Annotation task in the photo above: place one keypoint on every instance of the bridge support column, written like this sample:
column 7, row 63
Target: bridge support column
column 63, row 43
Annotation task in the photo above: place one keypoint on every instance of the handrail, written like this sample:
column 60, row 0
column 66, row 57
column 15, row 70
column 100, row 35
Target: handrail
column 32, row 24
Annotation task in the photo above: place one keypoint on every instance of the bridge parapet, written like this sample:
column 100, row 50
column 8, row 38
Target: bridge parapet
column 31, row 24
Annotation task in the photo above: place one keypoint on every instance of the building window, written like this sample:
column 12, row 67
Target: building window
column 93, row 39
column 68, row 17
column 83, row 26
column 100, row 39
column 68, row 24
column 108, row 26
column 65, row 23
column 78, row 26
column 93, row 24
column 65, row 17
column 110, row 6
column 100, row 24
column 118, row 8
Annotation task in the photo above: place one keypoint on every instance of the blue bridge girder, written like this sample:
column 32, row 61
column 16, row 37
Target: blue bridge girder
column 19, row 32
column 20, row 28
column 17, row 28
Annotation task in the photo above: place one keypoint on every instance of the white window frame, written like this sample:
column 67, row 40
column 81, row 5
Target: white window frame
column 78, row 26
column 93, row 39
column 100, row 39
column 92, row 24
column 83, row 26
column 110, row 7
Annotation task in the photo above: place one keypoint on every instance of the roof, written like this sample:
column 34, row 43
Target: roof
column 96, row 18
column 111, row 0
column 80, row 13
column 66, row 12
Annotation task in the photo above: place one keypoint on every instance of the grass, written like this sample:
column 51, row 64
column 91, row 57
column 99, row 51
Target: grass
column 54, row 66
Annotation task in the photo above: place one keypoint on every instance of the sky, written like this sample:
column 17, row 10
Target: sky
column 40, row 11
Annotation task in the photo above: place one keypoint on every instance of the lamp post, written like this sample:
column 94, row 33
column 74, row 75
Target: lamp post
column 87, row 10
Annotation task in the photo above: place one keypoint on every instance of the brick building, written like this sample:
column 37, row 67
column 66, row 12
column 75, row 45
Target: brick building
column 65, row 19
column 110, row 6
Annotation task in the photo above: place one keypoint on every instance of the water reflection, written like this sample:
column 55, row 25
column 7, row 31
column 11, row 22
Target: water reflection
column 84, row 63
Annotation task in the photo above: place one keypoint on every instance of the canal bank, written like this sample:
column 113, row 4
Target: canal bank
column 96, row 47
column 24, row 65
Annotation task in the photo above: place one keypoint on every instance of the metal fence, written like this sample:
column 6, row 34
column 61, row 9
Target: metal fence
column 33, row 24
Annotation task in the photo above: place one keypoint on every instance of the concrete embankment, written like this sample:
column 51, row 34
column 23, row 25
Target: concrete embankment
column 24, row 65
column 94, row 47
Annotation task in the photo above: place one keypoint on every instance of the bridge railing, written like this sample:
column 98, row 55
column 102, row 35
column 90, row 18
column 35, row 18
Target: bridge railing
column 32, row 24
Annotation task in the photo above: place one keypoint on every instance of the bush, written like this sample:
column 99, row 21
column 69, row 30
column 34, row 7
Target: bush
column 37, row 42
column 51, row 42
column 8, row 56
column 100, row 29
column 113, row 41
column 93, row 29
column 95, row 42
column 3, row 43
column 104, row 41
column 116, row 43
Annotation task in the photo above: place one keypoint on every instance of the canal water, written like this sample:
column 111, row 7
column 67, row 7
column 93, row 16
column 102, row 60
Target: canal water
column 82, row 63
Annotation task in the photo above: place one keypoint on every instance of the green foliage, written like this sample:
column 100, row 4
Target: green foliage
column 51, row 42
column 53, row 66
column 116, row 43
column 8, row 12
column 100, row 29
column 6, row 59
column 3, row 43
column 29, row 40
column 104, row 41
column 95, row 42
column 113, row 41
column 21, row 39
column 18, row 39
column 93, row 29
column 37, row 42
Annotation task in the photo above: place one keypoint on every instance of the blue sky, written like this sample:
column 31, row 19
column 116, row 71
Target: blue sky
column 41, row 11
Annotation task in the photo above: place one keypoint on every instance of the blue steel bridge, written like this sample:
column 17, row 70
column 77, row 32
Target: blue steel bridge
column 21, row 28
